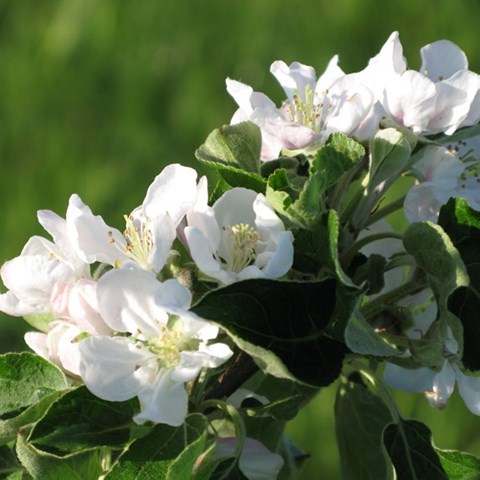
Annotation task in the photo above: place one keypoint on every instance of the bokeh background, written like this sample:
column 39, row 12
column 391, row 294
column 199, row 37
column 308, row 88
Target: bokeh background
column 97, row 96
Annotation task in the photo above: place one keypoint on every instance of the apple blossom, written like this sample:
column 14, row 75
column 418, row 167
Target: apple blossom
column 239, row 237
column 150, row 228
column 443, row 173
column 438, row 386
column 42, row 265
column 158, row 345
column 312, row 111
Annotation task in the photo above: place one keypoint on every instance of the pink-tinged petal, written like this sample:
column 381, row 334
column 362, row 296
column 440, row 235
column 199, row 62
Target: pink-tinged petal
column 31, row 280
column 410, row 99
column 92, row 238
column 469, row 388
column 288, row 136
column 78, row 303
column 442, row 59
column 294, row 78
column 163, row 401
column 414, row 380
column 108, row 367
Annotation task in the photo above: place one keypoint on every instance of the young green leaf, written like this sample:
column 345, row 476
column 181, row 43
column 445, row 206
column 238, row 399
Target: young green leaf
column 25, row 378
column 459, row 465
column 79, row 420
column 46, row 466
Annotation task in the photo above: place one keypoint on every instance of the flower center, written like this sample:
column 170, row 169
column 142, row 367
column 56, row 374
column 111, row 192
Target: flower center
column 169, row 343
column 310, row 112
column 139, row 240
column 237, row 250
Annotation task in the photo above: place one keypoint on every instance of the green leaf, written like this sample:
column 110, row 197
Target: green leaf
column 163, row 452
column 234, row 152
column 360, row 417
column 390, row 156
column 318, row 248
column 79, row 420
column 435, row 253
column 459, row 465
column 236, row 146
column 361, row 338
column 463, row 226
column 437, row 256
column 10, row 428
column 9, row 466
column 339, row 155
column 334, row 160
column 280, row 325
column 409, row 444
column 45, row 466
column 25, row 378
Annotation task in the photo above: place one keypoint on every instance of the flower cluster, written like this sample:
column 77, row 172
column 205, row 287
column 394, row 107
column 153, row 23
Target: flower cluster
column 230, row 299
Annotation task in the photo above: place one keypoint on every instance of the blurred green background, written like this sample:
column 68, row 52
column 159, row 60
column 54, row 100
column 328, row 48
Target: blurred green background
column 96, row 96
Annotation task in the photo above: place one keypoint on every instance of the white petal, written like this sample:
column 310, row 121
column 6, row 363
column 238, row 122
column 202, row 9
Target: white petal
column 163, row 401
column 410, row 99
column 127, row 302
column 202, row 254
column 409, row 379
column 442, row 59
column 173, row 191
column 92, row 238
column 281, row 259
column 108, row 367
column 442, row 386
column 294, row 78
column 235, row 206
column 469, row 388
column 332, row 72
column 258, row 463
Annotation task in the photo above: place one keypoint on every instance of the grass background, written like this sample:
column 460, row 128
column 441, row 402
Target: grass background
column 97, row 96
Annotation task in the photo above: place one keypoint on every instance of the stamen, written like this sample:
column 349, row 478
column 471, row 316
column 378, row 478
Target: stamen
column 239, row 246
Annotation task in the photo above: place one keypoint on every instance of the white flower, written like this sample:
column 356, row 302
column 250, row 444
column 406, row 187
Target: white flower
column 240, row 237
column 438, row 386
column 59, row 345
column 150, row 228
column 42, row 265
column 312, row 111
column 440, row 97
column 443, row 174
column 158, row 347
